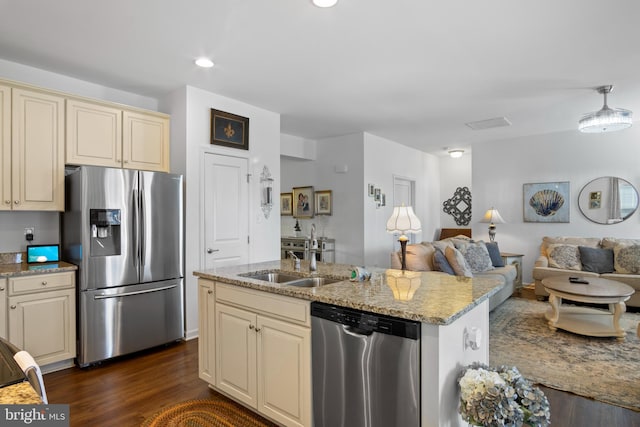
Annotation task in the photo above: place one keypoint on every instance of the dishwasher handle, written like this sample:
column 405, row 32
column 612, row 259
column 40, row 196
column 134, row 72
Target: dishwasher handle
column 356, row 332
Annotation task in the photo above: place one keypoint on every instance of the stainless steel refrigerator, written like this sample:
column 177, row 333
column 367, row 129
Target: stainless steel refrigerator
column 124, row 230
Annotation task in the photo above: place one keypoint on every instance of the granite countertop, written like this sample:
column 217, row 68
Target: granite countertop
column 19, row 394
column 24, row 269
column 439, row 298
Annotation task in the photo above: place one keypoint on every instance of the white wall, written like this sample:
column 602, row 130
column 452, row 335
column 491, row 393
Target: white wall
column 345, row 224
column 346, row 165
column 190, row 109
column 47, row 224
column 454, row 173
column 501, row 168
column 49, row 80
column 384, row 160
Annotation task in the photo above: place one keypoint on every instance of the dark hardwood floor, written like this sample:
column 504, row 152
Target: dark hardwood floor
column 125, row 391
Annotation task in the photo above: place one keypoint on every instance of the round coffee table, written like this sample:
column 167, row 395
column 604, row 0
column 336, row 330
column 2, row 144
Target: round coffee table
column 586, row 320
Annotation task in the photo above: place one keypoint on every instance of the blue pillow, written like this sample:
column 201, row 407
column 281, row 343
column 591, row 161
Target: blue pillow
column 494, row 254
column 440, row 263
column 596, row 260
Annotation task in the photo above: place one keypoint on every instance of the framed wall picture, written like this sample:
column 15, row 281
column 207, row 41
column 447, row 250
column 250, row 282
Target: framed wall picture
column 546, row 202
column 286, row 204
column 303, row 202
column 323, row 202
column 229, row 130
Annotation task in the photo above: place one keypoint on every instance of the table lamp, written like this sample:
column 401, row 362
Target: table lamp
column 402, row 221
column 492, row 216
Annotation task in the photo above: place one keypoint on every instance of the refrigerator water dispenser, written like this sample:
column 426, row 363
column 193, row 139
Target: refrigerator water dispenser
column 105, row 232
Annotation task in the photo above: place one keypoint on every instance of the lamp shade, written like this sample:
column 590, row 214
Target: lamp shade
column 492, row 216
column 403, row 220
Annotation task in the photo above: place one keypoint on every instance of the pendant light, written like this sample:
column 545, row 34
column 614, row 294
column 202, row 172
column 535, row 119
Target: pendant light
column 606, row 119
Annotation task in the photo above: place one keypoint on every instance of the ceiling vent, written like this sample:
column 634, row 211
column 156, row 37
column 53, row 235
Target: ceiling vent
column 489, row 123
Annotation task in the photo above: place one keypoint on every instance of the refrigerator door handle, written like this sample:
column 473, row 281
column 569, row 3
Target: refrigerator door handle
column 126, row 294
column 143, row 251
column 136, row 239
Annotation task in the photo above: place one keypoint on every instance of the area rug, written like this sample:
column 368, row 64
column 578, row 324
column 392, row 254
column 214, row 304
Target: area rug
column 206, row 413
column 603, row 369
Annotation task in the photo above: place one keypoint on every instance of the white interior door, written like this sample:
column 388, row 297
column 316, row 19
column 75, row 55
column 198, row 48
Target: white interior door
column 226, row 211
column 404, row 193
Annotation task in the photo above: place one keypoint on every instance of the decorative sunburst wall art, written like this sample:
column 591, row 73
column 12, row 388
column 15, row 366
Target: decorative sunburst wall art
column 459, row 206
column 546, row 202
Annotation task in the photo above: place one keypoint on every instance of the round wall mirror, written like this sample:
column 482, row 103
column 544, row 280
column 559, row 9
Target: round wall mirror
column 608, row 200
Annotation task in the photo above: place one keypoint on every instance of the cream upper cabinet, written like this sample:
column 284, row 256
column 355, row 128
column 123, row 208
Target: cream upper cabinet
column 207, row 331
column 37, row 151
column 5, row 147
column 100, row 134
column 145, row 141
column 94, row 134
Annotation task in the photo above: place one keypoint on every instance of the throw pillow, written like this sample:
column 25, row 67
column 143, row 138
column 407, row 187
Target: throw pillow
column 457, row 262
column 596, row 260
column 440, row 263
column 494, row 253
column 477, row 256
column 627, row 259
column 418, row 257
column 564, row 256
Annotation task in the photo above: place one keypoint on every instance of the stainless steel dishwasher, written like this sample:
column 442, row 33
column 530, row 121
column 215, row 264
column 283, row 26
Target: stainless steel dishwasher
column 365, row 368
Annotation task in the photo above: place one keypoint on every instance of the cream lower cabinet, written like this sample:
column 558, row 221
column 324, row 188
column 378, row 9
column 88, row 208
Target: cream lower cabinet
column 263, row 352
column 41, row 315
column 3, row 308
column 207, row 331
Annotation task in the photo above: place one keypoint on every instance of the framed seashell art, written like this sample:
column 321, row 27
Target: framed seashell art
column 546, row 202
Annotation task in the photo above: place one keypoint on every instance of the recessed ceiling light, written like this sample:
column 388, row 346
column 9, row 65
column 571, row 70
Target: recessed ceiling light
column 456, row 153
column 325, row 3
column 204, row 62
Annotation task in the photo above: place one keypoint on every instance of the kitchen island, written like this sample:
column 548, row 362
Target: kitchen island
column 453, row 311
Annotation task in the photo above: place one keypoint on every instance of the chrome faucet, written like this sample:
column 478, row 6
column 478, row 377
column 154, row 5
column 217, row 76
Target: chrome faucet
column 296, row 260
column 312, row 251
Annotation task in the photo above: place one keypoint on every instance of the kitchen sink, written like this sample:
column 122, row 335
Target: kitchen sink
column 311, row 282
column 273, row 277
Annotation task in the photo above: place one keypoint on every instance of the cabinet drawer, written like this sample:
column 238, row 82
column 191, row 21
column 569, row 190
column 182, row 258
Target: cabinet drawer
column 41, row 282
column 278, row 306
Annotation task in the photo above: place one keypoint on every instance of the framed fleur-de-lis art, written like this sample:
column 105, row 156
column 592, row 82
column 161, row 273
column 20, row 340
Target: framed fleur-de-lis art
column 229, row 130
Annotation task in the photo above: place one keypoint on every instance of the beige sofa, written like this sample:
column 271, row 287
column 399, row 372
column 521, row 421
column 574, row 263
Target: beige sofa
column 566, row 255
column 420, row 257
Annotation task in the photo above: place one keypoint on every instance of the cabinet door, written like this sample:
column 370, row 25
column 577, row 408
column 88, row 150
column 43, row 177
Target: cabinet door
column 3, row 308
column 37, row 151
column 206, row 325
column 5, row 147
column 236, row 353
column 94, row 134
column 145, row 142
column 44, row 325
column 284, row 372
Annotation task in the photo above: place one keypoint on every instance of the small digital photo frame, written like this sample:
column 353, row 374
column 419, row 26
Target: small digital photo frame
column 38, row 254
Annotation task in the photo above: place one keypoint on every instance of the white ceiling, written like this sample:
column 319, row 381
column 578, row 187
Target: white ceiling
column 413, row 71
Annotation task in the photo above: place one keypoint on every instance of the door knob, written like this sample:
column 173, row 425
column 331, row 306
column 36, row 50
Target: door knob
column 210, row 251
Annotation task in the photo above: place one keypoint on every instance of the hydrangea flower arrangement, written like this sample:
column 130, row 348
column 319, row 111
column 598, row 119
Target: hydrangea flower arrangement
column 501, row 397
